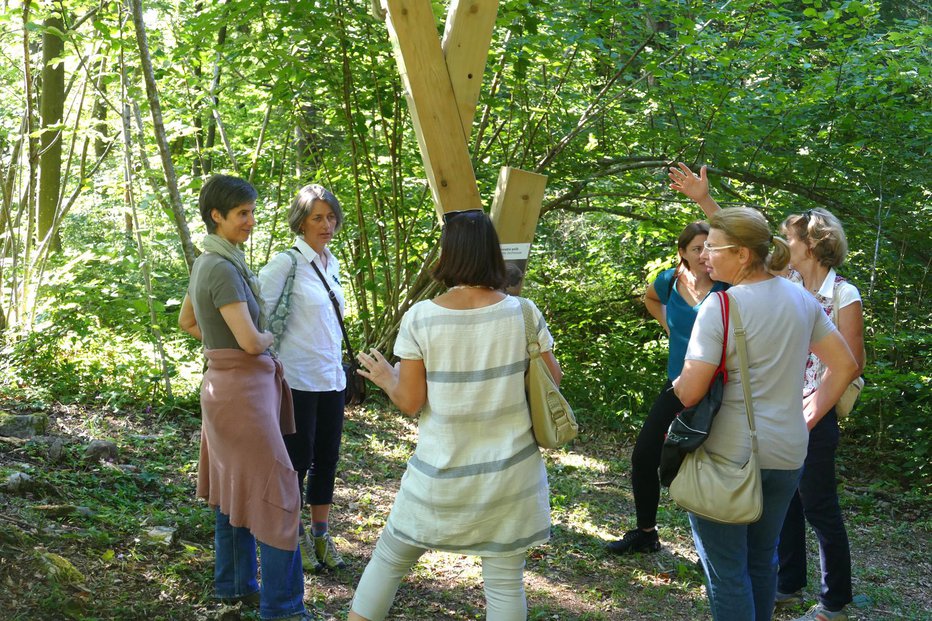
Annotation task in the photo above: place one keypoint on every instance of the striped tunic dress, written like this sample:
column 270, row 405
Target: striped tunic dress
column 476, row 483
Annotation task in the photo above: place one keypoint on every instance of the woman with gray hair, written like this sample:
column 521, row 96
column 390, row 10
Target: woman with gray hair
column 310, row 346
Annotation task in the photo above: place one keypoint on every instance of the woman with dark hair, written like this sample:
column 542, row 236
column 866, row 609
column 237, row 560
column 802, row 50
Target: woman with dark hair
column 782, row 324
column 673, row 299
column 310, row 345
column 476, row 483
column 244, row 471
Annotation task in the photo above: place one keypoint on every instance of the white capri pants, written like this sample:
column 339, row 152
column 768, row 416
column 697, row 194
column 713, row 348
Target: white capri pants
column 503, row 581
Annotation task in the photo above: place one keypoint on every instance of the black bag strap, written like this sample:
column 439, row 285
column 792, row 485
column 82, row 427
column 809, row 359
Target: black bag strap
column 336, row 308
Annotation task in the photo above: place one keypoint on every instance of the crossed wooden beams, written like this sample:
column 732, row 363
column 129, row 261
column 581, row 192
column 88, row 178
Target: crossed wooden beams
column 442, row 81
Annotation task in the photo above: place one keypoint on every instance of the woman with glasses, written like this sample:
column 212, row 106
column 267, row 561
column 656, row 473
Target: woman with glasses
column 476, row 483
column 817, row 245
column 244, row 471
column 673, row 299
column 310, row 346
column 783, row 324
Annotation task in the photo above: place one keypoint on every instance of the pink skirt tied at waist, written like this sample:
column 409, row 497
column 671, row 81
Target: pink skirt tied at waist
column 244, row 467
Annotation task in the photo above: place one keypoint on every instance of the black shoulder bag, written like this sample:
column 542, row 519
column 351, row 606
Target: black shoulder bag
column 355, row 383
column 691, row 427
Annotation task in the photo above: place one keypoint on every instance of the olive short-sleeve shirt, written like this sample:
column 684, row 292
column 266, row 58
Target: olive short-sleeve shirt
column 215, row 282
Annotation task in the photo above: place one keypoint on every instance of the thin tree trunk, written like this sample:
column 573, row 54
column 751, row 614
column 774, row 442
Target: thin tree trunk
column 10, row 179
column 51, row 106
column 181, row 223
column 133, row 218
column 100, row 110
column 214, row 101
column 260, row 142
column 880, row 218
column 32, row 173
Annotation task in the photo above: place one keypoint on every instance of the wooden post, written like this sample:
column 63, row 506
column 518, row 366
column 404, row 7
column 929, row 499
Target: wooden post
column 432, row 104
column 466, row 40
column 515, row 210
column 442, row 83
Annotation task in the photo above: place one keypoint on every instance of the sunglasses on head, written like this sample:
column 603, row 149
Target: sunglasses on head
column 453, row 215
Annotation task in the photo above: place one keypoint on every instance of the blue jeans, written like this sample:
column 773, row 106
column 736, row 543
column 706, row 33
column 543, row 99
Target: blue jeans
column 740, row 560
column 816, row 501
column 282, row 590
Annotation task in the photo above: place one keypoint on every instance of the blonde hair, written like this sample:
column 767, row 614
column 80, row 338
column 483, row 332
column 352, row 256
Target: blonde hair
column 748, row 228
column 822, row 232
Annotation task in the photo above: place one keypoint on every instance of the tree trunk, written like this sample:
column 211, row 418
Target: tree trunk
column 51, row 107
column 100, row 111
column 213, row 102
column 9, row 180
column 132, row 226
column 152, row 93
column 30, row 193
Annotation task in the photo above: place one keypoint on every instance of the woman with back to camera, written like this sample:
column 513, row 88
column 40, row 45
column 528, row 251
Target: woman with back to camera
column 783, row 324
column 244, row 471
column 817, row 245
column 476, row 483
column 311, row 349
column 673, row 299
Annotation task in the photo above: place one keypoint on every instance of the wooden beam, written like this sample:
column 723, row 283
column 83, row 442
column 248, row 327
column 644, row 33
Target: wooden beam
column 515, row 210
column 465, row 44
column 432, row 105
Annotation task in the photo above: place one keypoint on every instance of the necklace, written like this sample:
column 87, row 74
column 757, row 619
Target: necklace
column 470, row 287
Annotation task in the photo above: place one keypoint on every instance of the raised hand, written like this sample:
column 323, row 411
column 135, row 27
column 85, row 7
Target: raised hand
column 377, row 370
column 688, row 183
column 695, row 187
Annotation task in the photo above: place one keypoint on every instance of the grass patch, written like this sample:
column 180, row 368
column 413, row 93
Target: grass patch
column 126, row 576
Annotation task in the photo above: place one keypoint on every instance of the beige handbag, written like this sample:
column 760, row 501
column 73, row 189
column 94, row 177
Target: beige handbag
column 853, row 390
column 846, row 401
column 713, row 487
column 552, row 417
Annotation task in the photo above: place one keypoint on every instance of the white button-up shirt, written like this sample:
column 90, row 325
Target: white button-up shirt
column 833, row 297
column 311, row 348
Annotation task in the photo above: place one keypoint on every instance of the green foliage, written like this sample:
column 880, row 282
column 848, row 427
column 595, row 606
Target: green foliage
column 587, row 275
column 793, row 105
column 92, row 341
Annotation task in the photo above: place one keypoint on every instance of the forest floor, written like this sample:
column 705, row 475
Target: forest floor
column 97, row 515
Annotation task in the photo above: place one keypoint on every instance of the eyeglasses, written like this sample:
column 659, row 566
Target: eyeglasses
column 710, row 248
column 453, row 215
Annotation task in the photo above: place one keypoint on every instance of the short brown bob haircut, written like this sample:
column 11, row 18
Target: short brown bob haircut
column 470, row 253
column 303, row 205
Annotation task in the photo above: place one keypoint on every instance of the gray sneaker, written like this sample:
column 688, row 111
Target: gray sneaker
column 786, row 600
column 327, row 555
column 821, row 613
